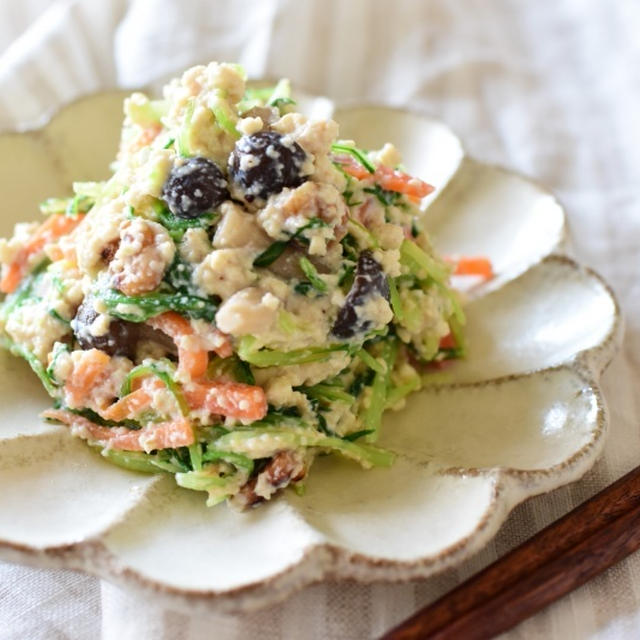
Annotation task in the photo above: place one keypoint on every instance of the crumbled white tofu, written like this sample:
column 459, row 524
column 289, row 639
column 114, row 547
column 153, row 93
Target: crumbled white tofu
column 225, row 271
column 238, row 229
column 100, row 326
column 21, row 234
column 247, row 312
column 389, row 261
column 289, row 211
column 195, row 245
column 100, row 228
column 250, row 125
column 314, row 136
column 388, row 155
column 32, row 326
column 375, row 310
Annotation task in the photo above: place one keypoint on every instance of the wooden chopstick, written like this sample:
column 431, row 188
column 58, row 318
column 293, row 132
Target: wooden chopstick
column 595, row 535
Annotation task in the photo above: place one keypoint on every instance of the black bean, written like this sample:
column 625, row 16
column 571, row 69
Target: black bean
column 195, row 187
column 369, row 281
column 264, row 163
column 121, row 337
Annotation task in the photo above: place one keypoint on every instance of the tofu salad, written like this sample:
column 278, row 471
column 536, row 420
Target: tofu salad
column 245, row 292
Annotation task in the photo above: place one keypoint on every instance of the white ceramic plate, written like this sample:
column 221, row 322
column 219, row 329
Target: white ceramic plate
column 520, row 416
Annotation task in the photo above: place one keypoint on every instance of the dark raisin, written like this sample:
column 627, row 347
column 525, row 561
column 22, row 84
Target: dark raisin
column 278, row 472
column 287, row 264
column 369, row 281
column 120, row 340
column 264, row 163
column 268, row 115
column 109, row 251
column 194, row 188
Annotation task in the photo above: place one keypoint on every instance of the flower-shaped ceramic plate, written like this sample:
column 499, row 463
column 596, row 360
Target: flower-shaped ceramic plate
column 522, row 415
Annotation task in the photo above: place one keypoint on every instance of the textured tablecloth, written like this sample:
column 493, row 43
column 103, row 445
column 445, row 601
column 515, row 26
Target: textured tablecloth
column 549, row 88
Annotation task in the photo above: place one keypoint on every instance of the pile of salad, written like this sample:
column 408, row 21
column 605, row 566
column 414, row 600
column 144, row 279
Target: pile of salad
column 244, row 293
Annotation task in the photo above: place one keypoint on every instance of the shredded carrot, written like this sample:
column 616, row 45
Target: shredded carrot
column 474, row 266
column 387, row 178
column 11, row 277
column 393, row 180
column 133, row 403
column 53, row 227
column 193, row 360
column 157, row 435
column 88, row 371
column 129, row 406
column 233, row 399
column 145, row 137
column 352, row 167
column 448, row 342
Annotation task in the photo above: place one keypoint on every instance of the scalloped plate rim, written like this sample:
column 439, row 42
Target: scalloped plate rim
column 327, row 560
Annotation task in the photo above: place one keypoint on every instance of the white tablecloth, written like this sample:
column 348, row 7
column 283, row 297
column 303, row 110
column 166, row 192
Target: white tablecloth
column 549, row 88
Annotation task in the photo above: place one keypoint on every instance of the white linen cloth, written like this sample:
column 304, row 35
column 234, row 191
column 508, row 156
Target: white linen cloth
column 549, row 88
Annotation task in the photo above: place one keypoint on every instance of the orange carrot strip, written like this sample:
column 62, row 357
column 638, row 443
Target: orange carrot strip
column 53, row 227
column 139, row 399
column 191, row 361
column 171, row 323
column 387, row 178
column 448, row 342
column 393, row 180
column 233, row 399
column 128, row 406
column 87, row 372
column 150, row 133
column 11, row 277
column 145, row 137
column 474, row 266
column 158, row 435
column 352, row 167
